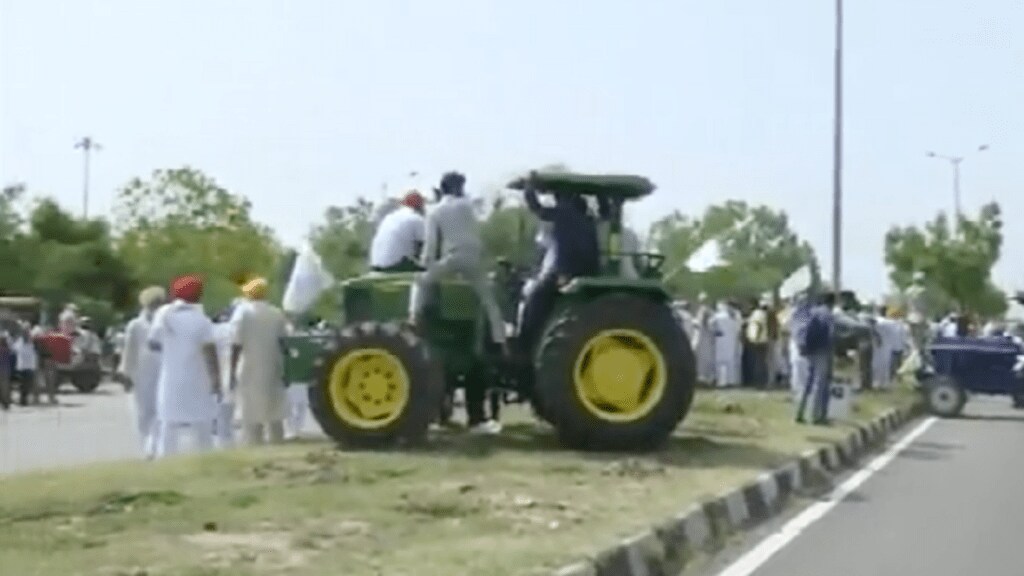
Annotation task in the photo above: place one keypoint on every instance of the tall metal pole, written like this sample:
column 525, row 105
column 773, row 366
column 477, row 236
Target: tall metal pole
column 837, row 159
column 87, row 145
column 955, row 162
column 957, row 206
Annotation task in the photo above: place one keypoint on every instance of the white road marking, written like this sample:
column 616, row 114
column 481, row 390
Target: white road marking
column 755, row 558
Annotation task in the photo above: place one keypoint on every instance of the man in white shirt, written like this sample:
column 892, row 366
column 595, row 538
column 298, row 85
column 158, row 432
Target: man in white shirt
column 257, row 362
column 190, row 382
column 726, row 327
column 452, row 226
column 399, row 237
column 140, row 367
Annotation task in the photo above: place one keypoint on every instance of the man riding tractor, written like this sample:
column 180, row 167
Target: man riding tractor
column 607, row 364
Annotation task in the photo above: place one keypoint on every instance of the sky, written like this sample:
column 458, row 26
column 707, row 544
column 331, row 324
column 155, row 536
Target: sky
column 306, row 103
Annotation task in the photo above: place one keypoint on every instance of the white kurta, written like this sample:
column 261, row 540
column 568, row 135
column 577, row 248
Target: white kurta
column 890, row 340
column 184, row 390
column 261, row 392
column 142, row 366
column 704, row 345
column 223, row 334
column 727, row 351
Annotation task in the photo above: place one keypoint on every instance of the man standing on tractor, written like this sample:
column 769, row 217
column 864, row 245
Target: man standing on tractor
column 452, row 226
column 576, row 254
column 399, row 237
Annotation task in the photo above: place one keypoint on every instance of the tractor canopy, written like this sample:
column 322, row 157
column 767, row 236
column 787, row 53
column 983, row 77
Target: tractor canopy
column 618, row 187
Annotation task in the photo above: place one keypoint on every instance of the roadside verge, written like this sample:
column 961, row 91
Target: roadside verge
column 667, row 548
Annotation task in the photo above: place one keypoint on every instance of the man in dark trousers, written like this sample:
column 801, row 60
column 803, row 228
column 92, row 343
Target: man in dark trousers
column 577, row 254
column 816, row 339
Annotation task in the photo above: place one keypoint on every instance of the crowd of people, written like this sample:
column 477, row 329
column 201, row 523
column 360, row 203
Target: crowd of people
column 191, row 374
column 771, row 344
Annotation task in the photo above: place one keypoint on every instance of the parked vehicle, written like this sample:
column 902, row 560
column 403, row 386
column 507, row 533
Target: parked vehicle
column 961, row 366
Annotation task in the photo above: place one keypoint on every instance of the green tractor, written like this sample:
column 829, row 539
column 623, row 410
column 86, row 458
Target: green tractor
column 611, row 370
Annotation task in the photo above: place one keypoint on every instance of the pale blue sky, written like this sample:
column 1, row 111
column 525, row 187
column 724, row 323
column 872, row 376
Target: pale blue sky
column 305, row 103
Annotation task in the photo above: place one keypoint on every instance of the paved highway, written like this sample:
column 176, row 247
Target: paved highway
column 950, row 504
column 84, row 428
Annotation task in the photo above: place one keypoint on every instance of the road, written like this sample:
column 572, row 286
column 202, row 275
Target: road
column 947, row 505
column 84, row 428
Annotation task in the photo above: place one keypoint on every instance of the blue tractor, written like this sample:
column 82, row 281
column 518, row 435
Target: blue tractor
column 961, row 366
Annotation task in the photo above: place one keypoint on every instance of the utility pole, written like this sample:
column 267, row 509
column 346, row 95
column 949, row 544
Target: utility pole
column 955, row 162
column 87, row 145
column 837, row 159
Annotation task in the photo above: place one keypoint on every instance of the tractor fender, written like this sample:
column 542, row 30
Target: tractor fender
column 597, row 286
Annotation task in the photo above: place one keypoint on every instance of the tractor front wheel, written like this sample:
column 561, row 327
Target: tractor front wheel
column 944, row 396
column 615, row 373
column 378, row 387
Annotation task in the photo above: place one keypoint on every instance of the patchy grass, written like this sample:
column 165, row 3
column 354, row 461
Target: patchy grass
column 512, row 505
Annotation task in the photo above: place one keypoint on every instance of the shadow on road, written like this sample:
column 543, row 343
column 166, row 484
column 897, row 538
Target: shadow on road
column 924, row 454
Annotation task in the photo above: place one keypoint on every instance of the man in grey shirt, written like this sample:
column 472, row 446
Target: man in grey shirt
column 452, row 226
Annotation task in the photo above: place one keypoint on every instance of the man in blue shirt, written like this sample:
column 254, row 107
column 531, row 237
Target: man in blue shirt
column 577, row 253
column 815, row 329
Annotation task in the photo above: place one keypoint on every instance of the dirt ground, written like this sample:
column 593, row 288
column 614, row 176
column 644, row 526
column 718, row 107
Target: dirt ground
column 511, row 505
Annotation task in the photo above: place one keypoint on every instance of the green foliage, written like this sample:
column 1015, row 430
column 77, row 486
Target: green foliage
column 182, row 222
column 343, row 238
column 956, row 263
column 48, row 253
column 759, row 248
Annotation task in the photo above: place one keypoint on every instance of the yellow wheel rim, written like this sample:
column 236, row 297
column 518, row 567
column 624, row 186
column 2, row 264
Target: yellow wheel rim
column 369, row 388
column 620, row 375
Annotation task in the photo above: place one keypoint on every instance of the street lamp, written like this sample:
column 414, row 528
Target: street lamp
column 955, row 161
column 87, row 145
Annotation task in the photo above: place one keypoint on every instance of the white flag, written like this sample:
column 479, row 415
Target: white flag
column 708, row 256
column 307, row 282
column 797, row 282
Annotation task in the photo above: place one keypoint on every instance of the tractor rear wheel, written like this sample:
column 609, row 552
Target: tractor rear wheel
column 378, row 387
column 615, row 373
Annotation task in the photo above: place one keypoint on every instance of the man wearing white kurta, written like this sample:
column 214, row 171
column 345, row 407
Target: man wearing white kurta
column 223, row 334
column 799, row 368
column 257, row 362
column 727, row 341
column 704, row 343
column 190, row 382
column 399, row 238
column 890, row 340
column 141, row 366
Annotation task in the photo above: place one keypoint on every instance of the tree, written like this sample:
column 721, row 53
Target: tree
column 182, row 221
column 343, row 239
column 69, row 259
column 759, row 250
column 956, row 264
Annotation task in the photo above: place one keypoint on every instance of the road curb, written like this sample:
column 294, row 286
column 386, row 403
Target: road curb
column 666, row 548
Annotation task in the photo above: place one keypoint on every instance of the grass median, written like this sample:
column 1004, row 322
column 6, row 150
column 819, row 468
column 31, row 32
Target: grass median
column 511, row 505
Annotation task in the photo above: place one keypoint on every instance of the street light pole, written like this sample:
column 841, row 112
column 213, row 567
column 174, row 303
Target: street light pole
column 837, row 159
column 955, row 162
column 87, row 145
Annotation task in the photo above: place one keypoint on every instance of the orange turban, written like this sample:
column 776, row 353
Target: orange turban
column 414, row 200
column 188, row 288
